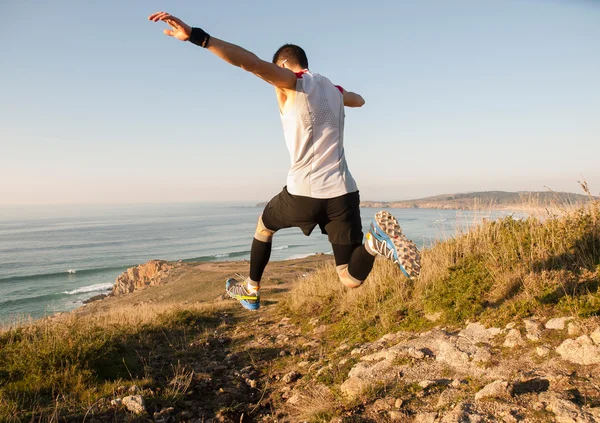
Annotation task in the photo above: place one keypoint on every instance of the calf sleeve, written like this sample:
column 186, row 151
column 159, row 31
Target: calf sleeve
column 260, row 253
column 361, row 263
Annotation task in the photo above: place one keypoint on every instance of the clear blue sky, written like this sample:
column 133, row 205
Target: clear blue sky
column 98, row 106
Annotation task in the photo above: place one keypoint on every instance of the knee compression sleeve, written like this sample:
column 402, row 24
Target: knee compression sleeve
column 263, row 233
column 346, row 278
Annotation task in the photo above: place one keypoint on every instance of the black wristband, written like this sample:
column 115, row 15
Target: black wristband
column 199, row 37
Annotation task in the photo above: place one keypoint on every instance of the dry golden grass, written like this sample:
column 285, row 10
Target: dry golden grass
column 495, row 270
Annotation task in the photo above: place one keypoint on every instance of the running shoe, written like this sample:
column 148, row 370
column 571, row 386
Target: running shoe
column 237, row 290
column 386, row 238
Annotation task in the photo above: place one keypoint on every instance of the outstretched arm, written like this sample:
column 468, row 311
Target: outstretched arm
column 352, row 99
column 231, row 53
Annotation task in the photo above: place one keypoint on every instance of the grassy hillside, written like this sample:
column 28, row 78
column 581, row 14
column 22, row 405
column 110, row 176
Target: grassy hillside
column 496, row 272
column 200, row 357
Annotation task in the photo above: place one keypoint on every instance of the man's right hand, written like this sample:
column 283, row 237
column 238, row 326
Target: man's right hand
column 179, row 29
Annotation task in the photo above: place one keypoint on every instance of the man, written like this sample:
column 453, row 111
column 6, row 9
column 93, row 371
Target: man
column 320, row 189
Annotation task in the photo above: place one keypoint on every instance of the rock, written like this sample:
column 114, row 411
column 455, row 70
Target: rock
column 513, row 339
column 565, row 411
column 573, row 329
column 116, row 402
column 291, row 377
column 558, row 323
column 580, row 351
column 456, row 383
column 496, row 389
column 426, row 384
column 542, row 351
column 398, row 403
column 383, row 404
column 294, row 399
column 476, row 332
column 482, row 355
column 152, row 273
column 447, row 397
column 425, row 418
column 462, row 413
column 595, row 336
column 134, row 389
column 533, row 329
column 135, row 404
column 396, row 416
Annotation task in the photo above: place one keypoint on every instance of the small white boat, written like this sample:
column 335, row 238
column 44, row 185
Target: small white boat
column 71, row 271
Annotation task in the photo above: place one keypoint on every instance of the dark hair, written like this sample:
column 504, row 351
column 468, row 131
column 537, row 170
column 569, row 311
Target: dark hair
column 294, row 54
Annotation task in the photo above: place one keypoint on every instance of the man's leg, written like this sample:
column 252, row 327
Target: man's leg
column 353, row 263
column 260, row 253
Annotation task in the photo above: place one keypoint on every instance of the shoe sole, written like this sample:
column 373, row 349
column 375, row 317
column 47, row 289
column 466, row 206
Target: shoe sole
column 254, row 305
column 406, row 253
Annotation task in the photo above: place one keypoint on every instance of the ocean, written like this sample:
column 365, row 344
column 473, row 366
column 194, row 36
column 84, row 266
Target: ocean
column 40, row 245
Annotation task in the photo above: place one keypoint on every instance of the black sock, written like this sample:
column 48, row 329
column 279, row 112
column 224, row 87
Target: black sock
column 260, row 254
column 361, row 263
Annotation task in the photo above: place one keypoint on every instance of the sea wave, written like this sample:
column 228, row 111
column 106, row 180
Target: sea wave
column 283, row 247
column 91, row 288
column 300, row 256
column 65, row 273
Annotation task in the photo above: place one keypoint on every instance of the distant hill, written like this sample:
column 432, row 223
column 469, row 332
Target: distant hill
column 484, row 199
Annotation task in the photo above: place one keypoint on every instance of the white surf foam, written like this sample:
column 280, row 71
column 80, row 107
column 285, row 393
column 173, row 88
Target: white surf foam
column 91, row 288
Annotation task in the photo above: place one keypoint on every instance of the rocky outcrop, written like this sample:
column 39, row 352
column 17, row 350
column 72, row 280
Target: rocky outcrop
column 580, row 351
column 155, row 272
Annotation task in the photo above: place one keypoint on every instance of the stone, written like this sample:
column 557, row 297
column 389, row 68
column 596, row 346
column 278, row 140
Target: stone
column 565, row 411
column 398, row 403
column 116, row 402
column 134, row 389
column 573, row 329
column 396, row 416
column 478, row 333
column 580, row 351
column 533, row 329
column 542, row 351
column 462, row 413
column 294, row 399
column 513, row 339
column 426, row 384
column 135, row 404
column 382, row 404
column 595, row 336
column 447, row 397
column 557, row 323
column 482, row 356
column 496, row 389
column 291, row 377
column 425, row 418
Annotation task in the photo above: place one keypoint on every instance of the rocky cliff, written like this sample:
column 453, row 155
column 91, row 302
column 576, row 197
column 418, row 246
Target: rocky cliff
column 155, row 272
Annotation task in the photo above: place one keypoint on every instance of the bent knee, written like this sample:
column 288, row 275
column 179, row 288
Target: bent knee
column 346, row 278
column 263, row 233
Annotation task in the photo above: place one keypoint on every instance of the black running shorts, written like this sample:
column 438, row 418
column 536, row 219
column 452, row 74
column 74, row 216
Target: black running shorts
column 338, row 218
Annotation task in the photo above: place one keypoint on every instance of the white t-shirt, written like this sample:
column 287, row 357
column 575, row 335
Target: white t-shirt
column 314, row 133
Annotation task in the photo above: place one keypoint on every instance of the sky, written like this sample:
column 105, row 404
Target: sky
column 98, row 106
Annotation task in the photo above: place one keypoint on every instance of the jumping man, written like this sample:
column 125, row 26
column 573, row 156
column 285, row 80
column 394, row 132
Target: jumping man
column 320, row 189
